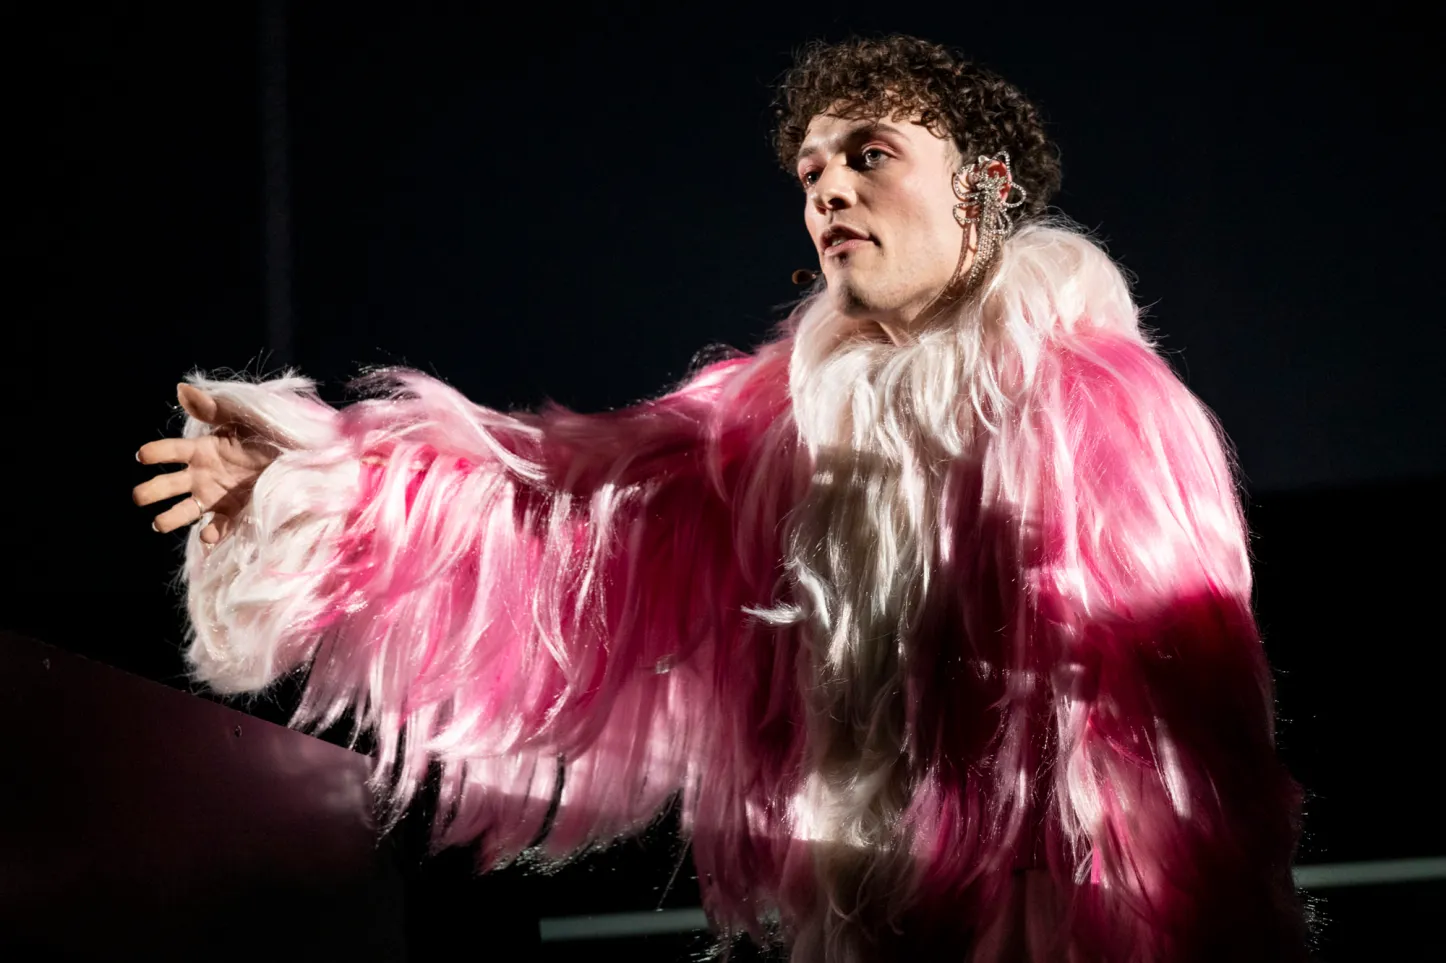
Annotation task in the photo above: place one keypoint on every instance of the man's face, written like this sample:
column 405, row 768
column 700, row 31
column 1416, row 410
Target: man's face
column 880, row 210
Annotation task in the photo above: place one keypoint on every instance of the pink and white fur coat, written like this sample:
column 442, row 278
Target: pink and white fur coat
column 946, row 646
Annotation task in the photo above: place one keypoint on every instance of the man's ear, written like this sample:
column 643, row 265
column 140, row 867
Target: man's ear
column 964, row 185
column 997, row 168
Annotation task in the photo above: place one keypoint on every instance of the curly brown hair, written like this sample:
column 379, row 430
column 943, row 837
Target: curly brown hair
column 873, row 78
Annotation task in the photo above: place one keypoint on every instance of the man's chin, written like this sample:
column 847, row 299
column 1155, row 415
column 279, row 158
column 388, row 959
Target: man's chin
column 851, row 298
column 857, row 302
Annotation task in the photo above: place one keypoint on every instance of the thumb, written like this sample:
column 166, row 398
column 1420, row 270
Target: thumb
column 197, row 403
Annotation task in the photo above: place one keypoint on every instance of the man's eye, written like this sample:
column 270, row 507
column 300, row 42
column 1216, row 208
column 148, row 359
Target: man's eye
column 873, row 156
column 809, row 178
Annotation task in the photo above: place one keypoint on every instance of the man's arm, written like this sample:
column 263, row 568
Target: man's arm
column 492, row 592
column 1174, row 824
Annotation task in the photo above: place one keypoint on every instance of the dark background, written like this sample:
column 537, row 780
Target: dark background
column 570, row 205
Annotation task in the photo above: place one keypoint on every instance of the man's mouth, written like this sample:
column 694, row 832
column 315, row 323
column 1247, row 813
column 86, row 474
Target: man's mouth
column 840, row 239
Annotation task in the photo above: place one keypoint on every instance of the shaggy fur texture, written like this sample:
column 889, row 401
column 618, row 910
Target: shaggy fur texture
column 946, row 646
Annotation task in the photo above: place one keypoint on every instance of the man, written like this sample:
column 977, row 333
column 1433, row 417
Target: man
column 935, row 609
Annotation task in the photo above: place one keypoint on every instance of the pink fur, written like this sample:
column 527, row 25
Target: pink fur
column 1167, row 798
column 1083, row 767
column 580, row 607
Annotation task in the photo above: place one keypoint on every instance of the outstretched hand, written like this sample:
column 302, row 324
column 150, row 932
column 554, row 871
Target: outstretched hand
column 220, row 471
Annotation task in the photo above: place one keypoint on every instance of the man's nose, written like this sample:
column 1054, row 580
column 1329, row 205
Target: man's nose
column 834, row 188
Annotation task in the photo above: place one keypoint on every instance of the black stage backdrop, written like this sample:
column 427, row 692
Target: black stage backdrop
column 571, row 205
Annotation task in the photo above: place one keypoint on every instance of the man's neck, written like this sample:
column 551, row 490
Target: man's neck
column 892, row 330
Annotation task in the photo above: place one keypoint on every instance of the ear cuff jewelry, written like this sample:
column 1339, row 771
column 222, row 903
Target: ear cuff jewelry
column 985, row 199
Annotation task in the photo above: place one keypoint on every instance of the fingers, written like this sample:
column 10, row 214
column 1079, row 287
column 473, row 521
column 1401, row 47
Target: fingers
column 197, row 403
column 167, row 451
column 168, row 485
column 216, row 529
column 204, row 408
column 188, row 512
column 221, row 414
column 179, row 515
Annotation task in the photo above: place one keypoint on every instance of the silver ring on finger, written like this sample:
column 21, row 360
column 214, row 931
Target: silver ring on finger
column 199, row 507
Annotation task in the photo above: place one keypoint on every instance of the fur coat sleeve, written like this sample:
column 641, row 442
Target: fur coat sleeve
column 530, row 605
column 1171, row 821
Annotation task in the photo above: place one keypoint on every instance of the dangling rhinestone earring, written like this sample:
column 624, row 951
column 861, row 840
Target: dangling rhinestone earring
column 990, row 197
